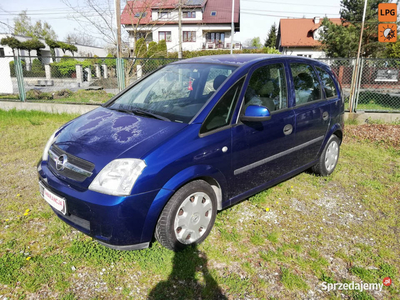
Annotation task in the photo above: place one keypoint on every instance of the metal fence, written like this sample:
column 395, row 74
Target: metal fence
column 94, row 80
column 71, row 79
column 378, row 84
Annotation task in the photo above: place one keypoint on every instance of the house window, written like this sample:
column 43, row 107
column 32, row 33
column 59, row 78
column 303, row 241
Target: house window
column 164, row 15
column 215, row 37
column 140, row 14
column 213, row 13
column 2, row 52
column 189, row 36
column 164, row 35
column 189, row 14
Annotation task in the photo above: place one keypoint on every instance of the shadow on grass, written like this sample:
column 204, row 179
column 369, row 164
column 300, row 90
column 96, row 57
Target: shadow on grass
column 189, row 279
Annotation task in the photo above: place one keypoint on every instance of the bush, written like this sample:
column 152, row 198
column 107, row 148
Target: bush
column 62, row 94
column 38, row 95
column 12, row 67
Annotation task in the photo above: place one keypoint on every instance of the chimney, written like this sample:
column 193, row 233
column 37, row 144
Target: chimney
column 316, row 20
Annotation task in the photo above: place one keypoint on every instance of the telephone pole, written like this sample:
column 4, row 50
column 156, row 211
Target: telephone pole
column 180, row 29
column 118, row 18
column 232, row 24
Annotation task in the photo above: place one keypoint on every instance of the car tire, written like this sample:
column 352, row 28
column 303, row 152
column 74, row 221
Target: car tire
column 188, row 217
column 329, row 157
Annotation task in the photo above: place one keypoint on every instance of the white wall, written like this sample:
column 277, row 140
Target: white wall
column 5, row 75
column 304, row 52
column 200, row 30
column 175, row 14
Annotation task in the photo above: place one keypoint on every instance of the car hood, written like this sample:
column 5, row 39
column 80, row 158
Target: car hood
column 103, row 135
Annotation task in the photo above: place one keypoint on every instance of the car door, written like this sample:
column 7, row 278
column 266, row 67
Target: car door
column 312, row 111
column 261, row 150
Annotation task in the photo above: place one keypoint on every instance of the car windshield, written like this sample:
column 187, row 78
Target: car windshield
column 176, row 92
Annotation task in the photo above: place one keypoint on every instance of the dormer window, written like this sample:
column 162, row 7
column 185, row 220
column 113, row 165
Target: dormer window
column 189, row 14
column 213, row 13
column 140, row 14
column 164, row 15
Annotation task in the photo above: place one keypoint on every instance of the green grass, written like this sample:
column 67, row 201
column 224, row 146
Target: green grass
column 336, row 229
column 78, row 97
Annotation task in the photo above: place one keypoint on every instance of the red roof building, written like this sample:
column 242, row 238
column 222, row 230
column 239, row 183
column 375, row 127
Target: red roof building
column 206, row 24
column 301, row 36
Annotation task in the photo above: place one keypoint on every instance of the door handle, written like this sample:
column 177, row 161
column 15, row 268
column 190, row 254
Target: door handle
column 288, row 129
column 325, row 115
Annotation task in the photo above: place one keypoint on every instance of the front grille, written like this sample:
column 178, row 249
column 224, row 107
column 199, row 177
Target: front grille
column 73, row 160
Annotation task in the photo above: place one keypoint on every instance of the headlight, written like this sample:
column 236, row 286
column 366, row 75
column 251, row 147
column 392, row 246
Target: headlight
column 118, row 177
column 50, row 142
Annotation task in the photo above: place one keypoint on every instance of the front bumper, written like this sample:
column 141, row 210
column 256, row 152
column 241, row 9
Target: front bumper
column 116, row 222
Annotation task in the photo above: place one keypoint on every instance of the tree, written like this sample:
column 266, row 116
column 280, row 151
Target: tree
column 12, row 42
column 162, row 49
column 52, row 45
column 339, row 40
column 271, row 39
column 67, row 47
column 254, row 42
column 393, row 50
column 351, row 15
column 81, row 39
column 23, row 26
column 33, row 44
column 140, row 48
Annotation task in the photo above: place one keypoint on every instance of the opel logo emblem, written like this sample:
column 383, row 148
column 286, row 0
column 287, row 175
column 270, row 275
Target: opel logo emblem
column 61, row 161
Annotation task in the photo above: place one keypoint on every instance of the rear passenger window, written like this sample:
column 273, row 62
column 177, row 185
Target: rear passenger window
column 306, row 84
column 267, row 87
column 328, row 83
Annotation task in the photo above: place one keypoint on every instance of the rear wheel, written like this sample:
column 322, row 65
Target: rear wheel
column 329, row 157
column 188, row 217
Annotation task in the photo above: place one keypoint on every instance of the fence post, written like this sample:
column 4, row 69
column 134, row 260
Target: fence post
column 79, row 74
column 47, row 70
column 98, row 73
column 20, row 78
column 359, row 83
column 105, row 71
column 139, row 71
column 89, row 74
column 120, row 74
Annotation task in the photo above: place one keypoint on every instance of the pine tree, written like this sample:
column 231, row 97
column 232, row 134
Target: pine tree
column 271, row 39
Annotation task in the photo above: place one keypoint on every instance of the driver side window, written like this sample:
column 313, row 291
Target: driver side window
column 221, row 114
column 267, row 87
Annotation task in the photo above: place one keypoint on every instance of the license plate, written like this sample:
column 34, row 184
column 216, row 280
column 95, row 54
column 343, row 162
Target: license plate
column 55, row 201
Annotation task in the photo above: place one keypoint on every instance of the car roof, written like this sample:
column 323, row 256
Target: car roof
column 239, row 59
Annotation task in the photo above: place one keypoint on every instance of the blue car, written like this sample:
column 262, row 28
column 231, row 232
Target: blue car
column 192, row 138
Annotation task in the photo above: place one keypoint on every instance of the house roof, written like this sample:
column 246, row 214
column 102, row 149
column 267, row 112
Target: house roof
column 299, row 32
column 223, row 9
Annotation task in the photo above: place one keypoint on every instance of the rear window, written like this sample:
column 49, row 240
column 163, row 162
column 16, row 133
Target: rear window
column 328, row 83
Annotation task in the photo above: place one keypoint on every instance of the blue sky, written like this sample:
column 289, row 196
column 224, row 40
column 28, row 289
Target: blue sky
column 257, row 16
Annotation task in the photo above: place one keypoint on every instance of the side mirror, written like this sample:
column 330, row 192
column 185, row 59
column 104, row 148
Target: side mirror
column 255, row 113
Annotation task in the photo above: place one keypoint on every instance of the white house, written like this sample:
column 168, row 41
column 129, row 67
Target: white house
column 300, row 37
column 206, row 24
column 6, row 55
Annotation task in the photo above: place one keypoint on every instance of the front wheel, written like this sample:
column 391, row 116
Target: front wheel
column 188, row 217
column 329, row 157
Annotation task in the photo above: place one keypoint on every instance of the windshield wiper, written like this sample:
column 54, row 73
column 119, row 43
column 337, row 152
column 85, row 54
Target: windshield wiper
column 138, row 111
column 127, row 111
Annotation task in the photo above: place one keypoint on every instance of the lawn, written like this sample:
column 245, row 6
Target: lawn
column 282, row 243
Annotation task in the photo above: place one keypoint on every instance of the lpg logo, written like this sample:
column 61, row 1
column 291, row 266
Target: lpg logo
column 387, row 12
